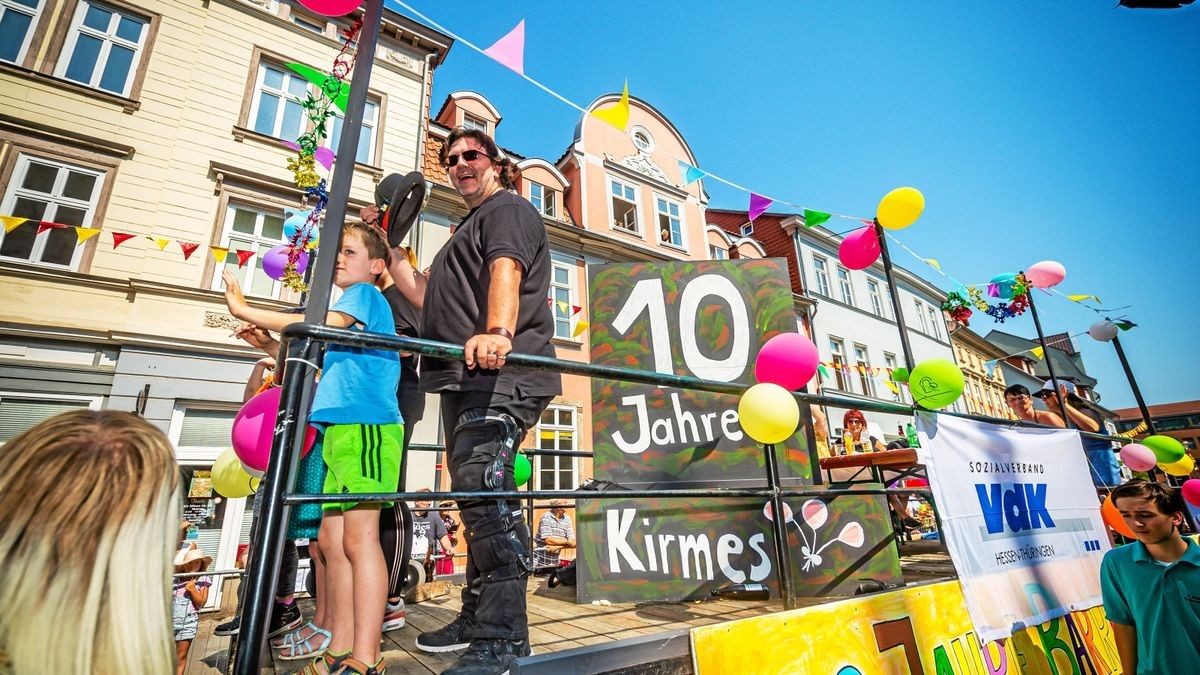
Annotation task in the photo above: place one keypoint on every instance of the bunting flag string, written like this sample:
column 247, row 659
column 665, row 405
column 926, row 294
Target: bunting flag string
column 580, row 326
column 120, row 238
column 219, row 253
column 44, row 225
column 758, row 206
column 1038, row 352
column 188, row 248
column 690, row 173
column 243, row 256
column 617, row 115
column 159, row 242
column 815, row 218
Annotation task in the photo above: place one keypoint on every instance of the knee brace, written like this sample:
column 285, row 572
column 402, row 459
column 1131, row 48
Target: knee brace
column 511, row 526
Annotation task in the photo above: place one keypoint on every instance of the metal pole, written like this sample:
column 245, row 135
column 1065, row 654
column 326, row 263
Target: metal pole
column 1137, row 393
column 1062, row 400
column 778, row 530
column 296, row 396
column 266, row 548
column 909, row 362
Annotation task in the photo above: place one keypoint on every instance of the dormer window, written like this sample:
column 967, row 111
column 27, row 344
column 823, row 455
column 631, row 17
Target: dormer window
column 470, row 121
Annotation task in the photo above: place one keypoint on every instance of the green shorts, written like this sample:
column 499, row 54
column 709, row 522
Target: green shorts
column 362, row 459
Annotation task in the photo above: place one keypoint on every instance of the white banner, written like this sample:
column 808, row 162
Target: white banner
column 1020, row 517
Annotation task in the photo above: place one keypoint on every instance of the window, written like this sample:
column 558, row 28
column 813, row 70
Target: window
column 20, row 412
column 103, row 48
column 821, row 267
column 205, row 429
column 561, row 296
column 847, row 291
column 670, row 225
column 308, row 24
column 642, row 139
column 889, row 365
column 276, row 109
column 542, row 199
column 624, row 206
column 556, row 431
column 366, row 135
column 920, row 309
column 863, row 365
column 718, row 252
column 875, row 296
column 47, row 190
column 472, row 122
column 250, row 229
column 935, row 318
column 837, row 352
column 16, row 22
column 747, row 229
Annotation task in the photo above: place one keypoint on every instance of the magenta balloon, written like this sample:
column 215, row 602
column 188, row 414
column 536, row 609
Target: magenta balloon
column 788, row 360
column 1191, row 491
column 1046, row 273
column 859, row 249
column 1138, row 457
column 254, row 428
column 274, row 262
column 331, row 7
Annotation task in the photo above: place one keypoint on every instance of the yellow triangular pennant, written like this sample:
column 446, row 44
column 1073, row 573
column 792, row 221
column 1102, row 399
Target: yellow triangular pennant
column 1038, row 352
column 563, row 306
column 934, row 264
column 82, row 234
column 892, row 385
column 219, row 253
column 12, row 222
column 617, row 115
column 579, row 328
column 160, row 243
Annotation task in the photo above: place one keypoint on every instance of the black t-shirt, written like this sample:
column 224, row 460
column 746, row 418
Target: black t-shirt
column 503, row 226
column 408, row 324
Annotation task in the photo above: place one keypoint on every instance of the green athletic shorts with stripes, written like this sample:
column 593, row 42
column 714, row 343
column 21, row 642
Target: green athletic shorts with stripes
column 362, row 459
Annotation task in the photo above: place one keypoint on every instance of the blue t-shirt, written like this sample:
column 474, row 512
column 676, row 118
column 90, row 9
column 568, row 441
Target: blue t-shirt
column 358, row 386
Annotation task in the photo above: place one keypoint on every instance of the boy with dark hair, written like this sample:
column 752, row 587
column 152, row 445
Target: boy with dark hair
column 1152, row 586
column 356, row 405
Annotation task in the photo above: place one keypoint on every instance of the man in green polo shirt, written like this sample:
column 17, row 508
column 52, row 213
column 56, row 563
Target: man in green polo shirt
column 1152, row 586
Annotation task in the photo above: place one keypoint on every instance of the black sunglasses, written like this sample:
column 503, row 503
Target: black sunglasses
column 468, row 155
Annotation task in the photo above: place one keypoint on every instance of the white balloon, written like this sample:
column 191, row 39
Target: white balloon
column 1103, row 330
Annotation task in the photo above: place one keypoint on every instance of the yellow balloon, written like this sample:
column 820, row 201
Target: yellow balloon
column 900, row 208
column 1181, row 468
column 768, row 413
column 229, row 479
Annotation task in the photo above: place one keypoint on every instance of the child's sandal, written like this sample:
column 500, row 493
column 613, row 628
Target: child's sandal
column 306, row 648
column 323, row 665
column 356, row 667
column 292, row 636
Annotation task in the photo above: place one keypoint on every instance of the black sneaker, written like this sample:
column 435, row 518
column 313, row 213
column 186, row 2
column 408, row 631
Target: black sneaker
column 452, row 637
column 230, row 627
column 489, row 657
column 284, row 618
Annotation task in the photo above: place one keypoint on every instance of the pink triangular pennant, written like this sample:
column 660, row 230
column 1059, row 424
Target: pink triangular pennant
column 758, row 205
column 509, row 50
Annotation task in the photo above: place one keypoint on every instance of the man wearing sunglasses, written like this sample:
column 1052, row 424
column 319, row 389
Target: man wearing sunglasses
column 486, row 290
column 1020, row 402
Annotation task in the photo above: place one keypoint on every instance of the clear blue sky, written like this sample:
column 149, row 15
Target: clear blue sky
column 1035, row 130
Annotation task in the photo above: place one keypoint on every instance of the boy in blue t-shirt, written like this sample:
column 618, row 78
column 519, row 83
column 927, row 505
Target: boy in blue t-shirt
column 356, row 405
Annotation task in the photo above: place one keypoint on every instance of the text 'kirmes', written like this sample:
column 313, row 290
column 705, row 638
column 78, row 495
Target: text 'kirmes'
column 676, row 426
column 694, row 553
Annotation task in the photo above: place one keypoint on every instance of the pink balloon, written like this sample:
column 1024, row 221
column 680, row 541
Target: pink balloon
column 275, row 261
column 254, row 427
column 1046, row 273
column 1138, row 457
column 331, row 7
column 1191, row 491
column 788, row 360
column 859, row 249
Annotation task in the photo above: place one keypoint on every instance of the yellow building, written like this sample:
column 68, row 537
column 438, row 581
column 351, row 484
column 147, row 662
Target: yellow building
column 984, row 392
column 162, row 124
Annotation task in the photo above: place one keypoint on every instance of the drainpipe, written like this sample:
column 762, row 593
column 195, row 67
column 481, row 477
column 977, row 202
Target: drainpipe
column 422, row 134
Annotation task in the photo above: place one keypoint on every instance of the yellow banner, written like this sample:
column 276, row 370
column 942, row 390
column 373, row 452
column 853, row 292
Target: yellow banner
column 921, row 630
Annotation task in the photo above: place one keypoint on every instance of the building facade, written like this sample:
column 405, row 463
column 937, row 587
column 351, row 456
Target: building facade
column 1179, row 420
column 979, row 361
column 139, row 140
column 850, row 316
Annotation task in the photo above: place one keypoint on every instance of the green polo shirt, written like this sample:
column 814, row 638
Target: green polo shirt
column 1161, row 602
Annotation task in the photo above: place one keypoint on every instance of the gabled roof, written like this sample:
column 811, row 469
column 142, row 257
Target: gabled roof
column 1064, row 366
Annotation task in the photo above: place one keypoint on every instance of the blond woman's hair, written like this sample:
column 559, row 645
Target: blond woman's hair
column 89, row 518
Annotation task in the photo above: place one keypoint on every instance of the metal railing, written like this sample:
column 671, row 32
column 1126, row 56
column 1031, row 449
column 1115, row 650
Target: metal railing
column 300, row 342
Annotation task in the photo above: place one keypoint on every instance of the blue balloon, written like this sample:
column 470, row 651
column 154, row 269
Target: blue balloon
column 295, row 223
column 1005, row 283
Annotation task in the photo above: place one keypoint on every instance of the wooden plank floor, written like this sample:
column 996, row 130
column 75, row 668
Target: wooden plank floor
column 556, row 623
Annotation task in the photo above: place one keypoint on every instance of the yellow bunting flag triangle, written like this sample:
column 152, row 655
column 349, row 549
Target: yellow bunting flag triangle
column 579, row 328
column 160, row 243
column 1038, row 352
column 82, row 234
column 11, row 222
column 219, row 253
column 934, row 263
column 617, row 115
column 563, row 306
column 892, row 385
